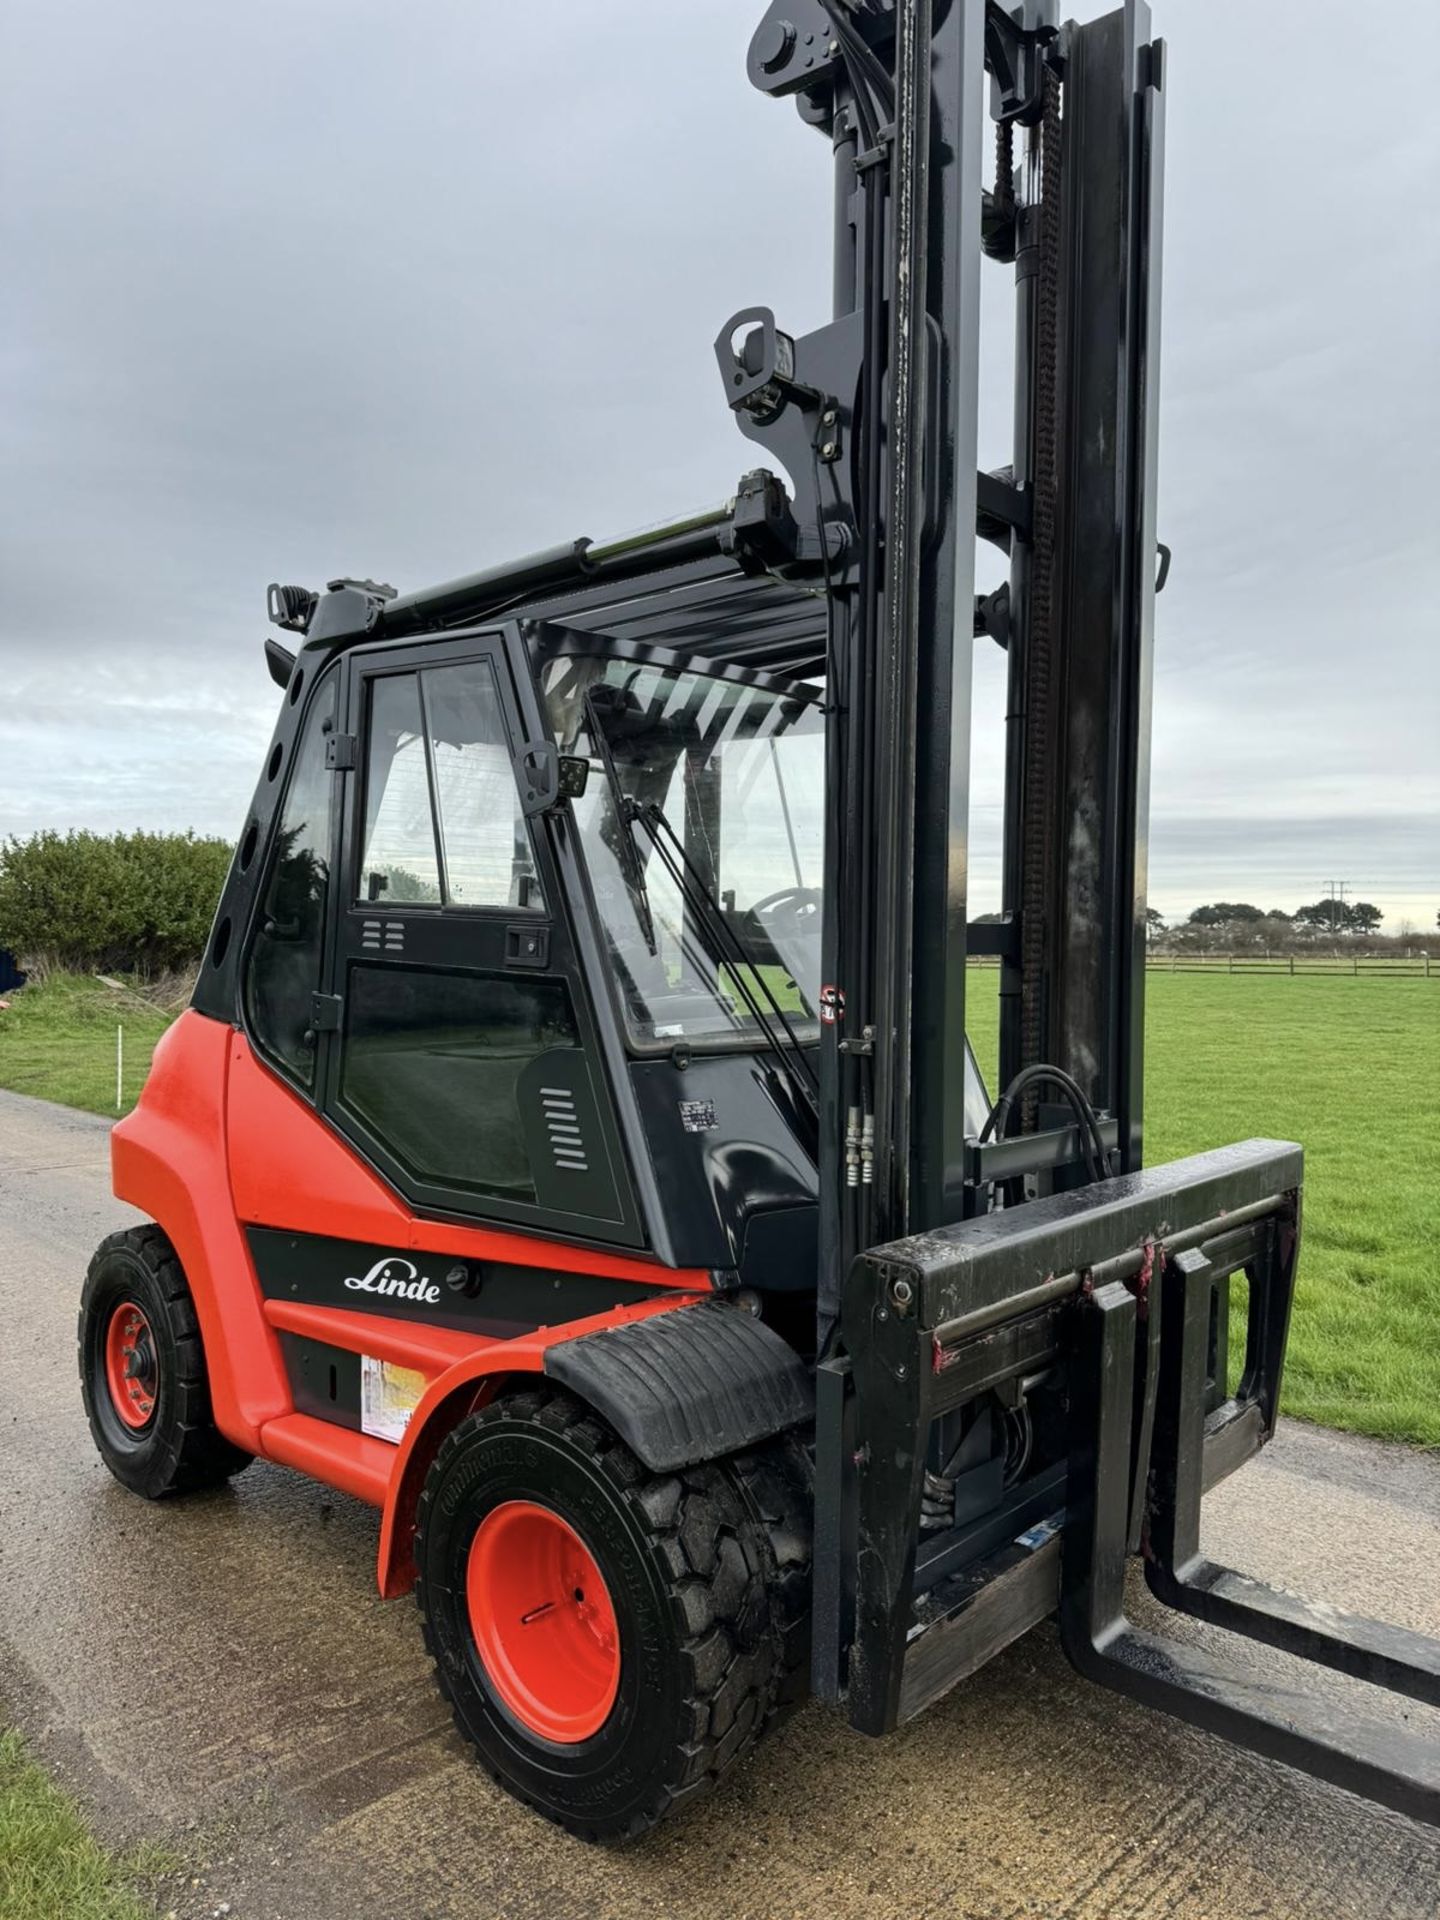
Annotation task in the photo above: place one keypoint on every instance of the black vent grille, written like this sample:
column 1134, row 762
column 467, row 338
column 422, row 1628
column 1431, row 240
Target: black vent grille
column 562, row 1123
column 382, row 936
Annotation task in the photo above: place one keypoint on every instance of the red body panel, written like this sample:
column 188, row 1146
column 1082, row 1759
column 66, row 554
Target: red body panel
column 169, row 1159
column 287, row 1169
column 353, row 1462
column 407, row 1343
column 217, row 1143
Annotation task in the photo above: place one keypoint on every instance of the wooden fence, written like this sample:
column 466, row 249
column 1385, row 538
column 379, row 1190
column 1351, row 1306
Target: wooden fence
column 1399, row 966
column 1396, row 966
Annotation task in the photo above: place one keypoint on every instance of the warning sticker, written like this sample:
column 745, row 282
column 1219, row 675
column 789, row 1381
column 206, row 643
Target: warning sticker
column 698, row 1116
column 388, row 1396
column 1042, row 1531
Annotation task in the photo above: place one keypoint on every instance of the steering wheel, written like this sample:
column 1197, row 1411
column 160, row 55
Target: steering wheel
column 793, row 909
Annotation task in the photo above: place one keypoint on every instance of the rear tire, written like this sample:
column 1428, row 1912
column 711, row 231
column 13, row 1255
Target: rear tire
column 685, row 1607
column 142, row 1371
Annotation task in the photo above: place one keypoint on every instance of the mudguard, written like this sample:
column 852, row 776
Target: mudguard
column 689, row 1385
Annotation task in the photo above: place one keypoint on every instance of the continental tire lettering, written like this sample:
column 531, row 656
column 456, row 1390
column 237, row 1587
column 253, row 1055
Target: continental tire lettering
column 606, row 1791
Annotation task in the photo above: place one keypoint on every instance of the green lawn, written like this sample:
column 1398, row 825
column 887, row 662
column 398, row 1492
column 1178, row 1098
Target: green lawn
column 58, row 1042
column 50, row 1866
column 1350, row 1068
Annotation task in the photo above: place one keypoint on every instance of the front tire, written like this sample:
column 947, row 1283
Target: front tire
column 142, row 1371
column 605, row 1635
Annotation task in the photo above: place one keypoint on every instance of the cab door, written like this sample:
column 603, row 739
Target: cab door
column 461, row 1060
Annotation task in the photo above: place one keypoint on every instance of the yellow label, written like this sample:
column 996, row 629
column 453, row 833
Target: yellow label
column 388, row 1396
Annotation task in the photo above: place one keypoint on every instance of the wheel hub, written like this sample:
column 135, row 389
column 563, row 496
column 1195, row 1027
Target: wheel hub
column 543, row 1621
column 132, row 1372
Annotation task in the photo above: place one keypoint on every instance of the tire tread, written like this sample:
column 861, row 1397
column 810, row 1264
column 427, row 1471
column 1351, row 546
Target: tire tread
column 713, row 1551
column 195, row 1454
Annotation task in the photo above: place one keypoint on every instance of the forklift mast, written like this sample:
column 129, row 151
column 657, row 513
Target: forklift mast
column 874, row 417
column 1047, row 1269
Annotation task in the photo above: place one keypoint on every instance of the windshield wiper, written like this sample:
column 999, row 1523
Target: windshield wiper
column 705, row 912
column 727, row 951
column 626, row 811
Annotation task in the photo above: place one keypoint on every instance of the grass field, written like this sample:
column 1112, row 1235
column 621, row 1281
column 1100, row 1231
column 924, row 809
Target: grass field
column 58, row 1042
column 1351, row 1069
column 1348, row 1067
column 50, row 1866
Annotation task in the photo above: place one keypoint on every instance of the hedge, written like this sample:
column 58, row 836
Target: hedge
column 126, row 902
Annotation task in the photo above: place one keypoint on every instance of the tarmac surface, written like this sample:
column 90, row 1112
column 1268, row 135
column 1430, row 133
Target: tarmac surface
column 219, row 1674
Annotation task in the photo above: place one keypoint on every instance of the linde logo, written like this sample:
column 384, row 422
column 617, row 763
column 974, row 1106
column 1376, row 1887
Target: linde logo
column 401, row 1278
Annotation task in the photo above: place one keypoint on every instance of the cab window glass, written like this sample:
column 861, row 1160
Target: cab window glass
column 398, row 866
column 284, row 963
column 734, row 773
column 484, row 839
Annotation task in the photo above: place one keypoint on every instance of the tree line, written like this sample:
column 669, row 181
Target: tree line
column 137, row 903
column 1235, row 926
column 143, row 903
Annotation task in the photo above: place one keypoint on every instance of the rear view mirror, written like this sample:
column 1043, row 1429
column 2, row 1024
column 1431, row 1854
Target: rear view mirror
column 545, row 776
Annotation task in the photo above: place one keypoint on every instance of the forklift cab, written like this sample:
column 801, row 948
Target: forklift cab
column 596, row 1016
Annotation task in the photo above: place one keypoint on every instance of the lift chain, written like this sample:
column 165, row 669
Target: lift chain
column 1038, row 803
column 1005, row 168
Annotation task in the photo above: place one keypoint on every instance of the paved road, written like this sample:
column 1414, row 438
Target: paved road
column 221, row 1674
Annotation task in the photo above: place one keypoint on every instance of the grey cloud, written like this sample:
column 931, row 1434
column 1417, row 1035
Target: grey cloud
column 349, row 287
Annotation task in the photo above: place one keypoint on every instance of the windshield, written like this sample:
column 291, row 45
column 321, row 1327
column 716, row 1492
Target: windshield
column 737, row 771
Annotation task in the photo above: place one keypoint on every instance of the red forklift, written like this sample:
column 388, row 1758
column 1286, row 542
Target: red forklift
column 574, row 1148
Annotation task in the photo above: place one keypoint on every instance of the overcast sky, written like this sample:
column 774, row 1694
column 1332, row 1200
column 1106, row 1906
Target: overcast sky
column 309, row 287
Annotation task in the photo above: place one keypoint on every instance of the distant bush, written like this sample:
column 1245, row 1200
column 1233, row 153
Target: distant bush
column 129, row 902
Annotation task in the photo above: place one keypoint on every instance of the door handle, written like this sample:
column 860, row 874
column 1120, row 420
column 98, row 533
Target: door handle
column 527, row 946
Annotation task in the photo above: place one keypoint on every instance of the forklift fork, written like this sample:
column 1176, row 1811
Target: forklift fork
column 1180, row 1576
column 1273, row 1714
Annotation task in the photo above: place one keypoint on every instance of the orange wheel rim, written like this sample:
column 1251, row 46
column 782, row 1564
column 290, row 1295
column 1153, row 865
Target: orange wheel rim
column 543, row 1621
column 132, row 1372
